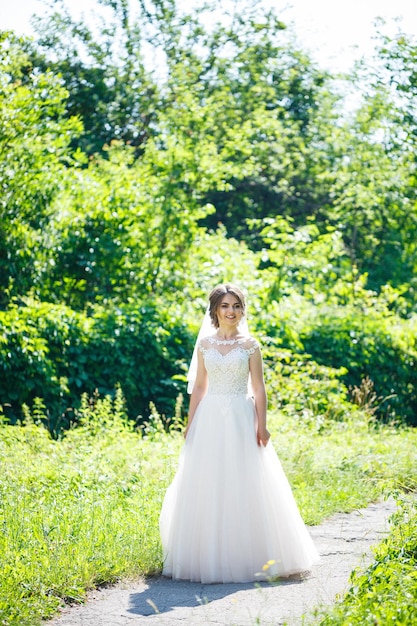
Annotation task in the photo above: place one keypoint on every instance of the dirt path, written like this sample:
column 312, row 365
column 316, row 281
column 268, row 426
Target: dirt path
column 343, row 541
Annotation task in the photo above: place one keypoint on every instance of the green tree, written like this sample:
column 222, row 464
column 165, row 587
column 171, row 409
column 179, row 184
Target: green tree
column 374, row 199
column 34, row 154
column 304, row 261
column 123, row 229
column 102, row 67
column 269, row 111
column 241, row 85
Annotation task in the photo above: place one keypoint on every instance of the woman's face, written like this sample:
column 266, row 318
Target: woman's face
column 229, row 311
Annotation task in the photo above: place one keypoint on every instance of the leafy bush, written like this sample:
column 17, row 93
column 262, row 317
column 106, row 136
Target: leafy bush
column 53, row 352
column 369, row 345
column 361, row 341
column 299, row 386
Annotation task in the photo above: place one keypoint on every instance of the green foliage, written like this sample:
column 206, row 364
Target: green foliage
column 368, row 343
column 216, row 258
column 323, row 324
column 303, row 260
column 375, row 206
column 269, row 98
column 82, row 511
column 300, row 387
column 373, row 190
column 239, row 92
column 385, row 594
column 121, row 229
column 52, row 352
column 34, row 152
column 107, row 253
column 109, row 87
column 79, row 512
column 397, row 55
column 105, row 258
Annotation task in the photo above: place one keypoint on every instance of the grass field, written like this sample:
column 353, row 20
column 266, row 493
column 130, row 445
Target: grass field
column 83, row 510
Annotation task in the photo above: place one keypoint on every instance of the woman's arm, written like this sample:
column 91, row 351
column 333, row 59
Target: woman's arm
column 259, row 392
column 199, row 390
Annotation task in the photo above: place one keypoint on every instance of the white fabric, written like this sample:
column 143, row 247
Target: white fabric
column 207, row 329
column 230, row 510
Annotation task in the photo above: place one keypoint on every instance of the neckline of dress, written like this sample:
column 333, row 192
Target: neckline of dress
column 226, row 342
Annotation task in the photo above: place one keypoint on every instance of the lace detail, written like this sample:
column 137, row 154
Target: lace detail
column 228, row 372
column 225, row 342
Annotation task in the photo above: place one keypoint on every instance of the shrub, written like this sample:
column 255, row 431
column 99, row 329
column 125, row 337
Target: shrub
column 369, row 345
column 299, row 386
column 361, row 341
column 53, row 352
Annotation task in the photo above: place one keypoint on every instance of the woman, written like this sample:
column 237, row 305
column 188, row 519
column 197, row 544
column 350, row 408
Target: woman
column 229, row 514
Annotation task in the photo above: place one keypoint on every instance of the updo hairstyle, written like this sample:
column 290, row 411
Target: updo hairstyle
column 216, row 296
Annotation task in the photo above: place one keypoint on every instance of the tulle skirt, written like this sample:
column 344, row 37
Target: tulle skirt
column 229, row 515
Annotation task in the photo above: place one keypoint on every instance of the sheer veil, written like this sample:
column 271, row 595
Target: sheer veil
column 207, row 329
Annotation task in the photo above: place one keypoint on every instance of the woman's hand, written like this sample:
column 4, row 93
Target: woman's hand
column 262, row 436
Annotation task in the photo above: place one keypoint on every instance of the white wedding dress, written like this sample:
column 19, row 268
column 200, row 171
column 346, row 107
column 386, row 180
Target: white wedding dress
column 229, row 515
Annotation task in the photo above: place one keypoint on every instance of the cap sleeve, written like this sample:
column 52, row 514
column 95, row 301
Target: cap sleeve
column 252, row 346
column 201, row 347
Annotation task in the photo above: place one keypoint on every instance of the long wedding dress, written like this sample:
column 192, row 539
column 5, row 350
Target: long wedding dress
column 229, row 515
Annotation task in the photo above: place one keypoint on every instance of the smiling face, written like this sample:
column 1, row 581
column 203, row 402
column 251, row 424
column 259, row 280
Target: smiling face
column 226, row 298
column 229, row 311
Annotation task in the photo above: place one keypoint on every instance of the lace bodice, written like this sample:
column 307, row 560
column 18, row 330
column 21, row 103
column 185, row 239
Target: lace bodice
column 227, row 364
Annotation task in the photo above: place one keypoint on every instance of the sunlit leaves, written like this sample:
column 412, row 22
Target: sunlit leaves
column 34, row 153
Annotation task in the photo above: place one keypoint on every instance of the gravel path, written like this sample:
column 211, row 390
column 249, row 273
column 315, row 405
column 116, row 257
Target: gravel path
column 343, row 541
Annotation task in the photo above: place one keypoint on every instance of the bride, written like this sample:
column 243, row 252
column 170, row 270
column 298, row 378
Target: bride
column 229, row 515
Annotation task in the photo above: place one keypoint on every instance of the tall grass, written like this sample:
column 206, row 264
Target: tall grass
column 77, row 512
column 385, row 593
column 83, row 510
column 345, row 466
